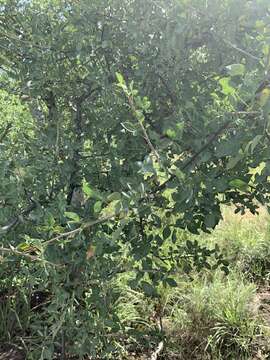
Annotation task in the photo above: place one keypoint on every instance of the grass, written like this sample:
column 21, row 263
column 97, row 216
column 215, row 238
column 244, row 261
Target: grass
column 214, row 316
column 211, row 317
column 245, row 241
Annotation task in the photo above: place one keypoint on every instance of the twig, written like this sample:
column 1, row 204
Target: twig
column 146, row 137
column 155, row 354
column 212, row 138
column 81, row 228
column 244, row 113
column 17, row 219
column 241, row 50
column 26, row 255
column 20, row 253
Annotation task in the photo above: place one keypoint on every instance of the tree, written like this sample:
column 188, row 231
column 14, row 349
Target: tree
column 124, row 123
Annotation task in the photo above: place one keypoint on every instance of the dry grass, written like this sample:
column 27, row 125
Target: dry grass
column 260, row 221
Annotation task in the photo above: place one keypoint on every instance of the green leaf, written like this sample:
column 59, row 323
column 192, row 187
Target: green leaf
column 90, row 192
column 24, row 246
column 98, row 206
column 227, row 89
column 114, row 196
column 234, row 161
column 73, row 216
column 225, row 270
column 236, row 69
column 174, row 236
column 187, row 268
column 193, row 228
column 225, row 263
column 171, row 282
column 148, row 289
column 171, row 133
column 179, row 174
column 190, row 245
column 87, row 190
column 117, row 206
column 120, row 78
column 210, row 221
column 239, row 184
column 166, row 232
column 253, row 143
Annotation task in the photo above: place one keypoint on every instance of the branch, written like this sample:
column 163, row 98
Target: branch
column 197, row 154
column 81, row 228
column 155, row 354
column 241, row 50
column 146, row 137
column 28, row 256
column 212, row 138
column 17, row 219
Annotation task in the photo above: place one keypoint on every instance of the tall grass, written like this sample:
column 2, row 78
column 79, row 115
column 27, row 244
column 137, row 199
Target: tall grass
column 245, row 240
column 209, row 318
column 214, row 316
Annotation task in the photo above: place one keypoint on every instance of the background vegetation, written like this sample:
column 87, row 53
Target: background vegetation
column 128, row 131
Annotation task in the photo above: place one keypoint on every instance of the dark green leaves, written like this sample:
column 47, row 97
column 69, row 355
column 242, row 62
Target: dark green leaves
column 166, row 232
column 148, row 289
column 171, row 282
column 150, row 108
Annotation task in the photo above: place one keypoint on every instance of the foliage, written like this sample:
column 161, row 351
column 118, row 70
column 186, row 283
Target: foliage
column 124, row 123
column 213, row 316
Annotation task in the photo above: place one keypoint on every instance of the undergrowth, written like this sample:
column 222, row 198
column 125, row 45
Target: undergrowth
column 208, row 315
